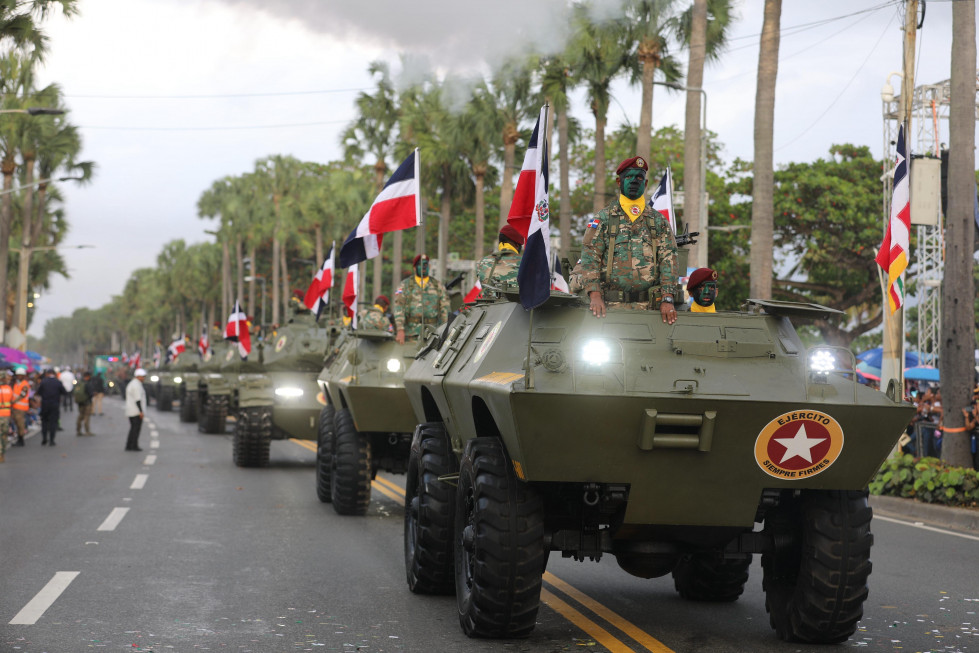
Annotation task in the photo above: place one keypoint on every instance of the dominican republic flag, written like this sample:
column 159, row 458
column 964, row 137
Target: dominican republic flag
column 157, row 354
column 204, row 343
column 473, row 294
column 176, row 348
column 893, row 254
column 529, row 214
column 134, row 360
column 663, row 199
column 318, row 293
column 237, row 331
column 397, row 207
column 350, row 295
column 557, row 278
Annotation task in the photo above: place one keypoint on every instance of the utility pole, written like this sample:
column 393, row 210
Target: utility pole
column 892, row 362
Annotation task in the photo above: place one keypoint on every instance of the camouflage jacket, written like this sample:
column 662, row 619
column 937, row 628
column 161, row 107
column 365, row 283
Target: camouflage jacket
column 499, row 268
column 373, row 318
column 415, row 306
column 645, row 254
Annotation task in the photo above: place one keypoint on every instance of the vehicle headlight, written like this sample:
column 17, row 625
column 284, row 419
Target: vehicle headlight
column 394, row 365
column 154, row 378
column 822, row 361
column 289, row 392
column 112, row 384
column 596, row 352
column 178, row 379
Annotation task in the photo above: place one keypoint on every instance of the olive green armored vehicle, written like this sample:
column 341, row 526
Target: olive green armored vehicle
column 367, row 422
column 185, row 379
column 214, row 387
column 167, row 386
column 677, row 449
column 275, row 397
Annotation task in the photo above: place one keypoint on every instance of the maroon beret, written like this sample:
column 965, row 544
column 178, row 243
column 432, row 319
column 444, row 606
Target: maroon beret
column 634, row 162
column 415, row 260
column 512, row 233
column 382, row 299
column 699, row 276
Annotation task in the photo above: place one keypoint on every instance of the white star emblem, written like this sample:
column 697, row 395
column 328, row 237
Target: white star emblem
column 800, row 446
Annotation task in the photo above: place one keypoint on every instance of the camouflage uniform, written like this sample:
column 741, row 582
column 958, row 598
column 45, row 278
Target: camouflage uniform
column 499, row 268
column 645, row 265
column 415, row 306
column 373, row 318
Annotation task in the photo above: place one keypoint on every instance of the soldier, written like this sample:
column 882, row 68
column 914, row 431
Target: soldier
column 376, row 317
column 640, row 269
column 418, row 301
column 500, row 268
column 702, row 287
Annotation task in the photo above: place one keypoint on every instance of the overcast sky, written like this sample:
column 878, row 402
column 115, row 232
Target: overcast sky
column 171, row 95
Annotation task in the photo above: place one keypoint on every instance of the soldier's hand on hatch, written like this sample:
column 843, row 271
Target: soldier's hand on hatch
column 668, row 311
column 400, row 337
column 597, row 305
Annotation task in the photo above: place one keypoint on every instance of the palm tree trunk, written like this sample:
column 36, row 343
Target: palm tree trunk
column 286, row 294
column 692, row 183
column 26, row 242
column 239, row 257
column 599, row 200
column 565, row 203
column 763, row 191
column 649, row 56
column 506, row 183
column 958, row 325
column 378, row 281
column 7, row 167
column 225, row 274
column 275, row 276
column 319, row 248
column 252, row 253
column 397, row 260
column 480, row 216
column 446, row 212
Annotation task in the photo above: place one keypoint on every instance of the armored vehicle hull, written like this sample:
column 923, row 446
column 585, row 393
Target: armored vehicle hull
column 214, row 388
column 661, row 445
column 367, row 423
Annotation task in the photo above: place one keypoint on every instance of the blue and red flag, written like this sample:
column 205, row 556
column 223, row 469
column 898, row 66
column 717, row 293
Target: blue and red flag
column 318, row 293
column 237, row 331
column 530, row 215
column 893, row 255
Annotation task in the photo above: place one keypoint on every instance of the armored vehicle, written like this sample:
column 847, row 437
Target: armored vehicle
column 166, row 387
column 214, row 388
column 185, row 380
column 662, row 445
column 367, row 422
column 275, row 398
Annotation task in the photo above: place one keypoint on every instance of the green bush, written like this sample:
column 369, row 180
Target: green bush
column 928, row 480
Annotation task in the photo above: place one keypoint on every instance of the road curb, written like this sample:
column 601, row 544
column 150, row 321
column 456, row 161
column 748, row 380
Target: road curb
column 963, row 519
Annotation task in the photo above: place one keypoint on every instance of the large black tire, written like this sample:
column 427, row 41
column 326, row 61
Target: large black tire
column 815, row 588
column 253, row 435
column 324, row 454
column 429, row 509
column 711, row 577
column 165, row 403
column 499, row 545
column 215, row 414
column 188, row 406
column 350, row 467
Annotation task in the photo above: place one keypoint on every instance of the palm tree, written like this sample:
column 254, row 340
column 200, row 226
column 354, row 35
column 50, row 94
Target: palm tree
column 20, row 24
column 278, row 176
column 763, row 188
column 211, row 204
column 510, row 91
column 555, row 77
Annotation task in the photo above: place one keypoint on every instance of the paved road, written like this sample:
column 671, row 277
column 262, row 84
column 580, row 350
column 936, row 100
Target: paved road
column 174, row 549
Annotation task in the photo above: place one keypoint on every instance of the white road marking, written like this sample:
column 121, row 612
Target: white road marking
column 139, row 482
column 918, row 524
column 154, row 444
column 37, row 606
column 113, row 519
column 150, row 459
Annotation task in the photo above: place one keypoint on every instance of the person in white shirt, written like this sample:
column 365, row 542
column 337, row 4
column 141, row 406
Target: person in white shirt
column 67, row 378
column 135, row 400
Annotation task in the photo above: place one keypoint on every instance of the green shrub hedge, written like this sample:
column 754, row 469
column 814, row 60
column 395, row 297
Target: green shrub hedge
column 928, row 480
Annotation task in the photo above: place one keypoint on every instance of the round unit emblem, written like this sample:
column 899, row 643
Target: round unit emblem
column 280, row 343
column 799, row 444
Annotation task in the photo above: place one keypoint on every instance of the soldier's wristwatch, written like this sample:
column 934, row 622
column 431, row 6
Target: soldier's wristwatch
column 668, row 300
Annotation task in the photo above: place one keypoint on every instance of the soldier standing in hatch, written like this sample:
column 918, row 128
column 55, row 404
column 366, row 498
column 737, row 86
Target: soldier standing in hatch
column 500, row 267
column 376, row 317
column 418, row 301
column 631, row 259
column 702, row 287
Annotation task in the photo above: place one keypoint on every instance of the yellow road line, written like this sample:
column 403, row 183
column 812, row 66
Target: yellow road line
column 394, row 487
column 399, row 498
column 633, row 631
column 602, row 636
column 305, row 444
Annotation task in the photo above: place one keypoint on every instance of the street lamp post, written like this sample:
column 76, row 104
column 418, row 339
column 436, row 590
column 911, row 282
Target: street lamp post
column 35, row 111
column 262, row 280
column 701, row 259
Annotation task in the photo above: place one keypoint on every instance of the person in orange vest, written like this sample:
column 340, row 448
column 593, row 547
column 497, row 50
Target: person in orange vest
column 6, row 399
column 21, row 403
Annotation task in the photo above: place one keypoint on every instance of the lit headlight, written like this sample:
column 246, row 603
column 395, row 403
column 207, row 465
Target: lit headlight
column 112, row 384
column 394, row 365
column 178, row 379
column 154, row 378
column 822, row 361
column 596, row 352
column 289, row 392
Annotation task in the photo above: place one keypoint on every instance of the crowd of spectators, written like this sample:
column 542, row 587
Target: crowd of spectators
column 925, row 430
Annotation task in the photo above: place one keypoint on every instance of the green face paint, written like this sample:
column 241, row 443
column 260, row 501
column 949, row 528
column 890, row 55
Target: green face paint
column 632, row 183
column 422, row 268
column 705, row 294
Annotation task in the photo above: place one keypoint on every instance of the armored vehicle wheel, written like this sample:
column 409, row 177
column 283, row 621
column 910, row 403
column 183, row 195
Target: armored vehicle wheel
column 215, row 414
column 815, row 587
column 711, row 577
column 429, row 508
column 165, row 403
column 188, row 406
column 323, row 455
column 253, row 435
column 350, row 467
column 499, row 545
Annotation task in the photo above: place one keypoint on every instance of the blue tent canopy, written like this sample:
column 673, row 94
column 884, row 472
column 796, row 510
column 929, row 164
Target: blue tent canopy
column 874, row 357
column 922, row 373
